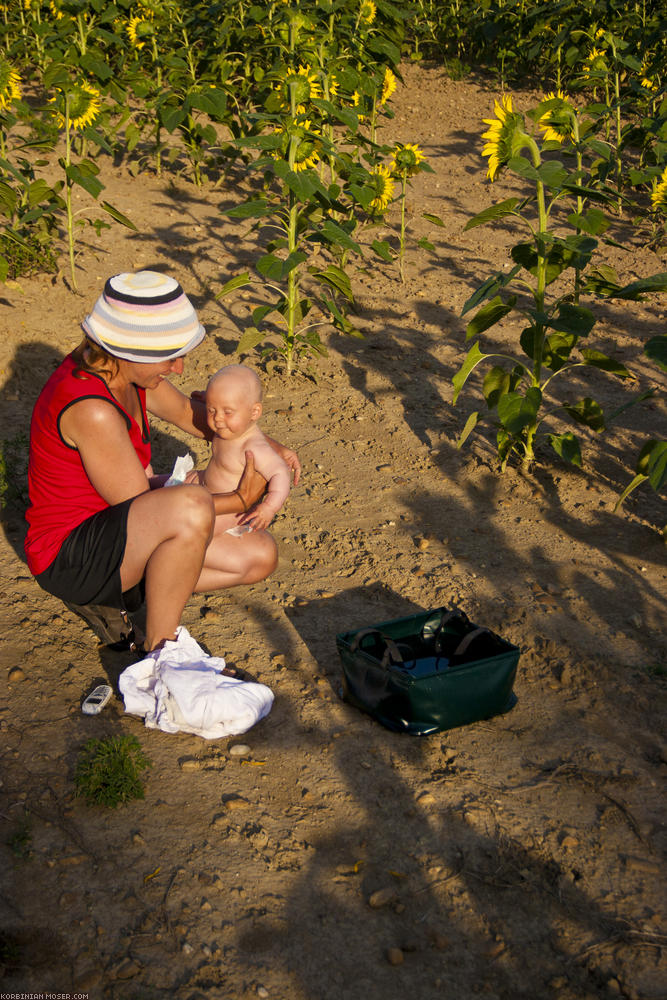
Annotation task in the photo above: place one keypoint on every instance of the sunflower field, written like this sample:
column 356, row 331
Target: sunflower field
column 296, row 97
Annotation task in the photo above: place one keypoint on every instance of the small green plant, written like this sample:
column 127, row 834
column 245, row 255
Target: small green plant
column 108, row 771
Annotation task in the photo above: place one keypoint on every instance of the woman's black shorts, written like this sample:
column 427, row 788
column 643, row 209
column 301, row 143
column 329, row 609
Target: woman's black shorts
column 87, row 567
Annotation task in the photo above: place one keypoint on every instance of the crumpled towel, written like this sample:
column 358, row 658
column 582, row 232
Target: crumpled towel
column 179, row 688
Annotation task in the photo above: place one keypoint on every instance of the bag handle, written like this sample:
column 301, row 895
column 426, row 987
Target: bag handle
column 391, row 652
column 470, row 637
column 455, row 613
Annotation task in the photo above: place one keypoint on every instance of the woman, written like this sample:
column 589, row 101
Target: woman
column 98, row 524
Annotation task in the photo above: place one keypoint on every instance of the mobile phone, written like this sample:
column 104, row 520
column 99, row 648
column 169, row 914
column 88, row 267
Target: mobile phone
column 96, row 700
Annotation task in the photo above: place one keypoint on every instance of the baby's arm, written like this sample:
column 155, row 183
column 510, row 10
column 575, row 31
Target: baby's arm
column 277, row 474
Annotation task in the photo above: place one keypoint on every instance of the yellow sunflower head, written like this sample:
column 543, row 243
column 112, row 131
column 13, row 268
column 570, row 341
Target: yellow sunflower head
column 10, row 89
column 659, row 195
column 383, row 186
column 139, row 29
column 388, row 85
column 367, row 12
column 406, row 160
column 56, row 12
column 501, row 135
column 556, row 122
column 84, row 106
column 306, row 154
column 595, row 67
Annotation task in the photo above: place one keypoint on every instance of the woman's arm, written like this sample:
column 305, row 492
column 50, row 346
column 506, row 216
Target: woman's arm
column 187, row 412
column 99, row 433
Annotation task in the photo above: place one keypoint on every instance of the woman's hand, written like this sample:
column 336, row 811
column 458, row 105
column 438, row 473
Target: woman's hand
column 252, row 484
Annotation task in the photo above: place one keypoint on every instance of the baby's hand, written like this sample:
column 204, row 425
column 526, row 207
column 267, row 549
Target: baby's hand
column 257, row 519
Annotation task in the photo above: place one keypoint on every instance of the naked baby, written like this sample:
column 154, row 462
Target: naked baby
column 233, row 407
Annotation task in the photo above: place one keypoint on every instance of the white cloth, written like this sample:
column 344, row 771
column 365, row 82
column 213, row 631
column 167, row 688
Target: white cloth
column 182, row 466
column 179, row 688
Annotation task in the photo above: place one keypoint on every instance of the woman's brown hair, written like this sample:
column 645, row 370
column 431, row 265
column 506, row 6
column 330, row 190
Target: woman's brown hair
column 90, row 357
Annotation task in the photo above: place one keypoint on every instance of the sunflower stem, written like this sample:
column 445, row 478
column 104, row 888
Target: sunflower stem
column 68, row 191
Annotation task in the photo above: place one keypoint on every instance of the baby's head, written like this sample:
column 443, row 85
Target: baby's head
column 233, row 401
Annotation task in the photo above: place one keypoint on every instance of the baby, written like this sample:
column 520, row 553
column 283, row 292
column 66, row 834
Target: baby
column 233, row 407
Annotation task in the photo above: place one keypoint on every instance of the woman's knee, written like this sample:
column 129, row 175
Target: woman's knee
column 195, row 512
column 266, row 557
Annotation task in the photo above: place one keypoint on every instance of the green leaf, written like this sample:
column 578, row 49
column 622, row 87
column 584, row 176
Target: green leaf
column 567, row 446
column 598, row 360
column 557, row 349
column 517, row 411
column 656, row 350
column 425, row 244
column 336, row 235
column 528, row 341
column 652, row 462
column 256, row 208
column 249, row 339
column 383, row 250
column 337, row 279
column 489, row 288
column 84, row 179
column 586, row 411
column 473, row 358
column 552, row 174
column 524, row 168
column 275, row 269
column 340, row 320
column 639, row 478
column 237, row 282
column 490, row 214
column 496, row 384
column 489, row 315
column 4, row 268
column 261, row 312
column 594, row 221
column 171, row 118
column 573, row 319
column 635, row 290
column 118, row 216
column 435, row 219
column 470, row 425
column 602, row 280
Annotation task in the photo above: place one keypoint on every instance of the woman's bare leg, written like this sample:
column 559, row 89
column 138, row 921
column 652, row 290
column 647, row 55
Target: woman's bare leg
column 230, row 561
column 168, row 531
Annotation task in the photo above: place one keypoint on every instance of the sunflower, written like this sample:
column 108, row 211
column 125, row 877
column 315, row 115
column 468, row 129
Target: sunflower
column 595, row 66
column 10, row 90
column 383, row 186
column 647, row 81
column 556, row 123
column 367, row 11
column 388, row 85
column 137, row 30
column 306, row 151
column 305, row 84
column 659, row 195
column 84, row 106
column 500, row 135
column 406, row 160
column 56, row 12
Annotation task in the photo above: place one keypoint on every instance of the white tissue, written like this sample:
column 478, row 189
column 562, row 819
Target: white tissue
column 182, row 466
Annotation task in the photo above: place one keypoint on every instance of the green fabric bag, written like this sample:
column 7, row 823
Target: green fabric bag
column 428, row 672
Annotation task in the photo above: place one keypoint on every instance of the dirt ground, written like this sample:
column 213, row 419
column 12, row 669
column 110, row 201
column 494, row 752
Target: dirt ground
column 522, row 856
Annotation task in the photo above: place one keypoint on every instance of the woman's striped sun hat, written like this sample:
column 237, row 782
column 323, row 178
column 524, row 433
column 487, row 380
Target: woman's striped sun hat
column 144, row 317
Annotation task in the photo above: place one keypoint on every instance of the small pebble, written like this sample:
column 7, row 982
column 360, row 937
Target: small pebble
column 16, row 674
column 239, row 750
column 426, row 799
column 395, row 956
column 187, row 948
column 382, row 898
column 236, row 802
column 262, row 992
